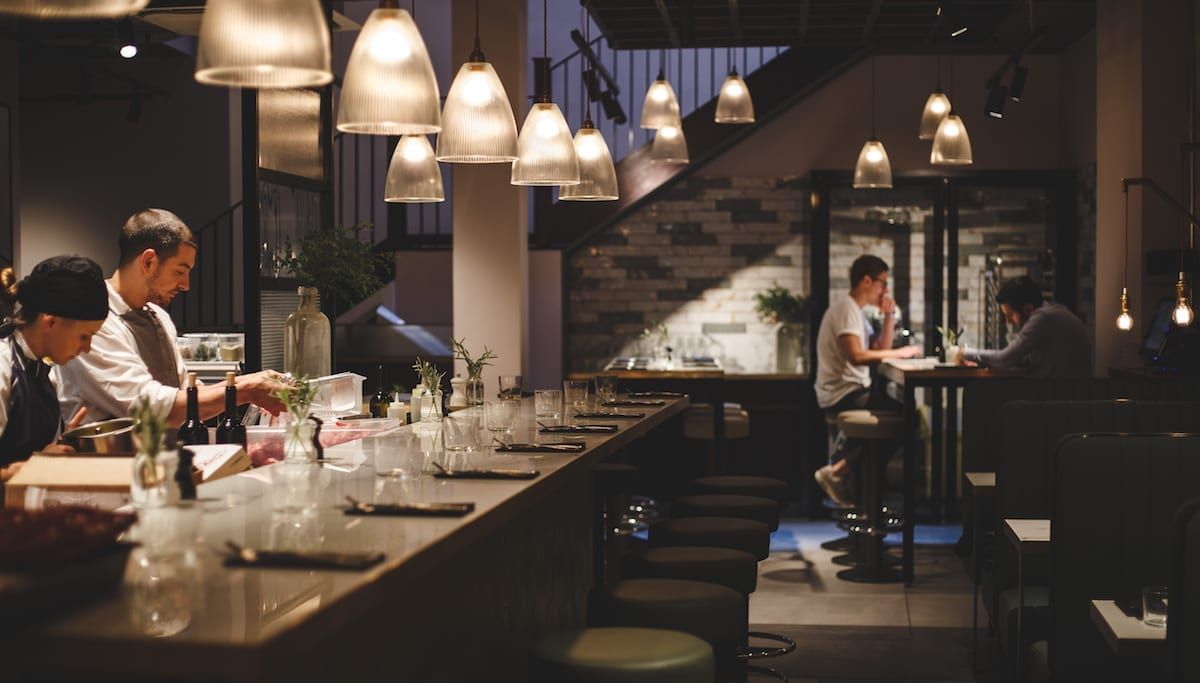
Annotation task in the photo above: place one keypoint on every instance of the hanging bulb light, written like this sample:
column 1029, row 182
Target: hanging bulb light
column 1125, row 320
column 951, row 144
column 1183, row 315
column 660, row 108
column 545, row 150
column 597, row 175
column 72, row 9
column 937, row 106
column 477, row 122
column 263, row 44
column 734, row 104
column 873, row 169
column 413, row 175
column 669, row 146
column 389, row 87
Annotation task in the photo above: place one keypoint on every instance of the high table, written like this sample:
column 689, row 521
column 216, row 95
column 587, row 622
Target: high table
column 923, row 374
column 455, row 599
column 1126, row 635
column 1029, row 537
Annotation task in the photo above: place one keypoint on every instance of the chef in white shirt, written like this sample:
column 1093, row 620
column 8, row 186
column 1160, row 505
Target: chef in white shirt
column 134, row 353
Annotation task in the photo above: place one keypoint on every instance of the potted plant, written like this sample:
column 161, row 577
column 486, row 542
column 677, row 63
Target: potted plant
column 153, row 468
column 950, row 343
column 342, row 267
column 430, row 389
column 777, row 305
column 475, row 367
column 297, row 398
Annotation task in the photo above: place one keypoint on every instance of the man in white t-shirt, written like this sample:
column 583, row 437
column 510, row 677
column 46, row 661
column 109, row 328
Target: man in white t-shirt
column 846, row 347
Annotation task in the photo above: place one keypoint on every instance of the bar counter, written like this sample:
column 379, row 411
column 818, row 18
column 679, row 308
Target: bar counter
column 455, row 598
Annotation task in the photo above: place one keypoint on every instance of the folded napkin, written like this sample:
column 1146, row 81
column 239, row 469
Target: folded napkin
column 634, row 404
column 602, row 415
column 540, row 447
column 410, row 509
column 486, row 474
column 655, row 394
column 577, row 429
column 300, row 559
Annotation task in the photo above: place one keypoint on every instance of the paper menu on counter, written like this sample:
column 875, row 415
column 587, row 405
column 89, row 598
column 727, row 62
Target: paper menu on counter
column 215, row 461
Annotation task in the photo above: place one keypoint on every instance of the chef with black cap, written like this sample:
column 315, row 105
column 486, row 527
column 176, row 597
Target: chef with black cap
column 53, row 314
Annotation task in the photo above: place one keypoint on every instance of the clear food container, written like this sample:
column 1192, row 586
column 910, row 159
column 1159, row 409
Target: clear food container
column 265, row 444
column 231, row 348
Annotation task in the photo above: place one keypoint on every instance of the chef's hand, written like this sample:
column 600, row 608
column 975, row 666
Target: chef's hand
column 888, row 305
column 7, row 473
column 258, row 387
column 77, row 419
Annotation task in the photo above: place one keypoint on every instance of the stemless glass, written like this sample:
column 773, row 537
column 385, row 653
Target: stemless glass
column 547, row 403
column 575, row 393
column 510, row 387
column 1154, row 606
column 500, row 415
column 606, row 388
column 460, row 434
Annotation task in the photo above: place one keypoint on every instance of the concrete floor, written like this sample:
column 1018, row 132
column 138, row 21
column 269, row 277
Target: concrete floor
column 847, row 632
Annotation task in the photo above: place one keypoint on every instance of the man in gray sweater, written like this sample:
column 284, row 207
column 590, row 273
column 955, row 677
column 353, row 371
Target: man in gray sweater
column 1051, row 341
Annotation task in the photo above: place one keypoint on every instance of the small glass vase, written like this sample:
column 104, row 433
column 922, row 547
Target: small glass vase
column 474, row 390
column 789, row 343
column 431, row 407
column 153, row 483
column 307, row 351
column 298, row 444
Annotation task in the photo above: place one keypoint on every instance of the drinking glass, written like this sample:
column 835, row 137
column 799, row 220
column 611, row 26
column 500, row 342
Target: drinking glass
column 1154, row 606
column 575, row 393
column 606, row 388
column 500, row 415
column 396, row 455
column 461, row 433
column 510, row 387
column 547, row 403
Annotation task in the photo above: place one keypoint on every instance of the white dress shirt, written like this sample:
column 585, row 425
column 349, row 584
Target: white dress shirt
column 6, row 378
column 110, row 377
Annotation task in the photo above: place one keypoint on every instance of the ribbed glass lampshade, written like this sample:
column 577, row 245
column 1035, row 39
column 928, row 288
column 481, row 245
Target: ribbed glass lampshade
column 597, row 175
column 660, row 108
column 937, row 106
column 545, row 150
column 389, row 88
column 734, row 104
column 263, row 44
column 414, row 175
column 477, row 123
column 873, row 168
column 72, row 9
column 951, row 145
column 669, row 146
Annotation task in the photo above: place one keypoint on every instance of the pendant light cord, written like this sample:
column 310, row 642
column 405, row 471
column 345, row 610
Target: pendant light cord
column 938, row 87
column 545, row 95
column 1125, row 277
column 477, row 53
column 872, row 95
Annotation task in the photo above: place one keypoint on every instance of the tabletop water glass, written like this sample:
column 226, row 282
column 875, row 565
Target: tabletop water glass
column 398, row 455
column 1154, row 606
column 500, row 415
column 606, row 388
column 547, row 403
column 575, row 393
column 510, row 387
column 460, row 433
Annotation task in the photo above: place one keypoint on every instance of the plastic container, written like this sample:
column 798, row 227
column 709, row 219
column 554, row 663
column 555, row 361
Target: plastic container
column 338, row 395
column 206, row 345
column 231, row 348
column 265, row 444
column 187, row 347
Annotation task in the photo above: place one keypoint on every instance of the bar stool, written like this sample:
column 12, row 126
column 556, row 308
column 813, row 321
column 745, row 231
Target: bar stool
column 742, row 485
column 611, row 481
column 870, row 526
column 757, row 508
column 716, row 532
column 837, row 511
column 621, row 655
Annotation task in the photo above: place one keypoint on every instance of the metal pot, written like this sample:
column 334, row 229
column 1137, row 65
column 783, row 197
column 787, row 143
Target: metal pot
column 106, row 436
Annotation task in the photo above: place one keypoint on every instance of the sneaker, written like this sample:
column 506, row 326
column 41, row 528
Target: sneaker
column 837, row 488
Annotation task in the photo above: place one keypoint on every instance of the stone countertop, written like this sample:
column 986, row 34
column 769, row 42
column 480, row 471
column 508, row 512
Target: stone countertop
column 695, row 375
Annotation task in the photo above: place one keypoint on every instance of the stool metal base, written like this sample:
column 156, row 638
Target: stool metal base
column 865, row 575
column 768, row 671
column 837, row 543
column 789, row 645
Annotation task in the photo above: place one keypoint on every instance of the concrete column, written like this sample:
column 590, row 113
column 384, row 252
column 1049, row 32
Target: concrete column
column 491, row 250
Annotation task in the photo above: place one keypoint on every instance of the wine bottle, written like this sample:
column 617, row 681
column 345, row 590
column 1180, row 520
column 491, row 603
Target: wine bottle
column 231, row 429
column 381, row 399
column 183, row 475
column 193, row 430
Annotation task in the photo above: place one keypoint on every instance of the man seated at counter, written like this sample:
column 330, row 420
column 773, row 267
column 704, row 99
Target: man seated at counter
column 1050, row 342
column 846, row 347
column 134, row 352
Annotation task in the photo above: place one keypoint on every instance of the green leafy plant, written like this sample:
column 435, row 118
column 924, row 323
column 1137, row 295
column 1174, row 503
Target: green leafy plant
column 950, row 336
column 149, row 427
column 474, row 365
column 431, row 379
column 337, row 262
column 297, row 397
column 657, row 328
column 778, row 305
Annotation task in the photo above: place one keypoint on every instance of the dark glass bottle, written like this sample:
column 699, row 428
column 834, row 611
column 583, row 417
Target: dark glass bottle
column 231, row 429
column 183, row 476
column 193, row 430
column 381, row 399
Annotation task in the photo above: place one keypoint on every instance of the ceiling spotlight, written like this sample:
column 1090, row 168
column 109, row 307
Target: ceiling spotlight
column 126, row 39
column 1018, row 83
column 959, row 32
column 995, row 101
column 612, row 108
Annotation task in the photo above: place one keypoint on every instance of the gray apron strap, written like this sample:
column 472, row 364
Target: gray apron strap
column 155, row 348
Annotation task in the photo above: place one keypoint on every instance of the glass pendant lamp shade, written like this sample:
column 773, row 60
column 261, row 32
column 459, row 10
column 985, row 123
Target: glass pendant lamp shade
column 263, row 44
column 951, row 145
column 477, row 123
column 660, row 108
column 734, row 104
column 937, row 106
column 873, row 169
column 545, row 150
column 413, row 174
column 72, row 9
column 389, row 88
column 597, row 175
column 669, row 146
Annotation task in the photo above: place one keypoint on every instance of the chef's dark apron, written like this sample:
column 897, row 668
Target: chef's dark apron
column 156, row 349
column 33, row 413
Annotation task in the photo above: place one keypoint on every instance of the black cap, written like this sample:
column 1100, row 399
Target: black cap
column 66, row 286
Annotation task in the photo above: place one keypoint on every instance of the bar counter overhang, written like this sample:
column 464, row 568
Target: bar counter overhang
column 455, row 599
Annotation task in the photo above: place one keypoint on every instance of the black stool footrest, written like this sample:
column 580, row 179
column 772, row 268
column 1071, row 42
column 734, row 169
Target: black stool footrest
column 868, row 530
column 768, row 671
column 789, row 645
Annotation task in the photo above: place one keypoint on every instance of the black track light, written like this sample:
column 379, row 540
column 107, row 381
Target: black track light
column 592, row 82
column 612, row 107
column 126, row 39
column 1018, row 83
column 995, row 101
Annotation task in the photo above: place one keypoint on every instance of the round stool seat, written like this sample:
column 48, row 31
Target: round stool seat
column 873, row 425
column 615, row 476
column 621, row 655
column 766, row 487
column 757, row 508
column 716, row 532
column 734, row 569
column 698, row 422
column 706, row 610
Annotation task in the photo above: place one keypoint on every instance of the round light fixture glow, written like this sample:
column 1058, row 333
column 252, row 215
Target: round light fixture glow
column 129, row 51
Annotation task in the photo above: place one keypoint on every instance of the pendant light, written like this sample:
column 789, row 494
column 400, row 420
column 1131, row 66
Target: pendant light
column 389, row 87
column 477, row 122
column 660, row 108
column 669, row 146
column 1182, row 315
column 951, row 144
column 545, row 150
column 413, row 175
column 1125, row 320
column 937, row 106
column 72, row 9
column 734, row 104
column 263, row 44
column 873, row 169
column 597, row 175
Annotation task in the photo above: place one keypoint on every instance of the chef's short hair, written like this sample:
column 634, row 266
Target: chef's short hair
column 156, row 229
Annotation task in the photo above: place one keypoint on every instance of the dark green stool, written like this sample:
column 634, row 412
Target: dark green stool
column 738, row 485
column 757, row 508
column 621, row 655
column 716, row 532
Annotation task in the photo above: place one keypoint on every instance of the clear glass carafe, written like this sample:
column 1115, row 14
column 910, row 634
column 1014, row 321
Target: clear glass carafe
column 306, row 344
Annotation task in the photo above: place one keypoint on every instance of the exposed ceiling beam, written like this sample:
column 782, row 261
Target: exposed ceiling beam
column 872, row 17
column 665, row 15
column 802, row 26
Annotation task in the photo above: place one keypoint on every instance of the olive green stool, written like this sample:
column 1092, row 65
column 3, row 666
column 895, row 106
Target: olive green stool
column 711, row 612
column 715, row 532
column 757, row 508
column 739, row 485
column 870, row 525
column 621, row 655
